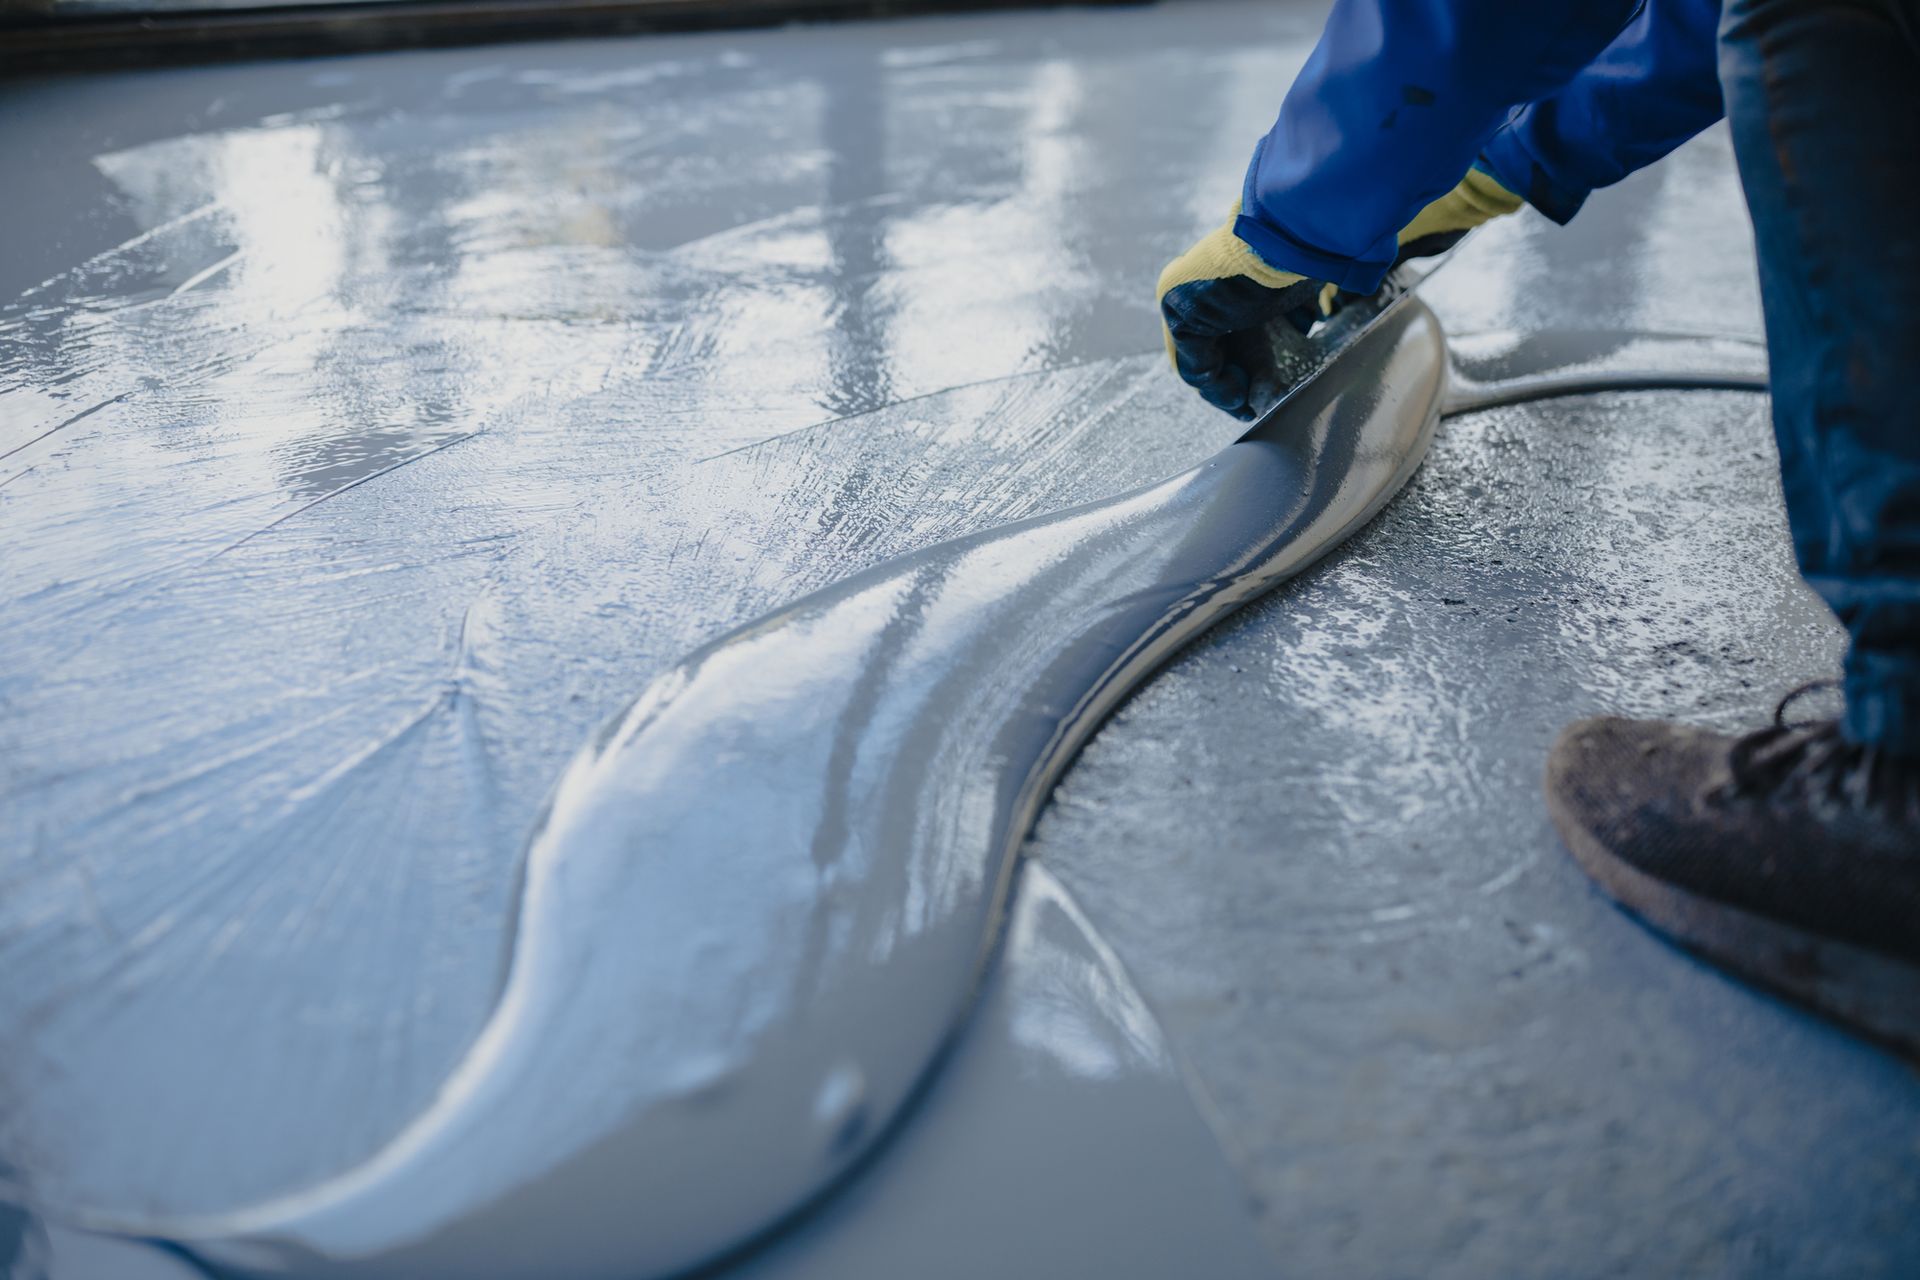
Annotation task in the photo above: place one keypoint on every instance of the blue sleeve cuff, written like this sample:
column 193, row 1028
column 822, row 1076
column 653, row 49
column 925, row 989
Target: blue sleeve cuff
column 1284, row 253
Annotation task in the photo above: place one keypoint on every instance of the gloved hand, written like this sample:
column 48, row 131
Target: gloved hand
column 1217, row 297
column 1214, row 300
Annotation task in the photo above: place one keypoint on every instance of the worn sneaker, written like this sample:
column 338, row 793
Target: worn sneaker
column 1789, row 856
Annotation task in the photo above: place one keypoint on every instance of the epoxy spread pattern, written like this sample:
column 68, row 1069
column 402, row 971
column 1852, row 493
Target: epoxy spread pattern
column 526, row 374
column 759, row 901
column 442, row 629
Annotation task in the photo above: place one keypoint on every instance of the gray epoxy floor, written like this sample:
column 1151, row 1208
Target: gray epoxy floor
column 385, row 422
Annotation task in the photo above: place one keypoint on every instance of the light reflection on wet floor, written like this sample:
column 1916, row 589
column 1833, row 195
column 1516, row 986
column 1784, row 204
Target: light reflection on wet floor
column 527, row 371
column 383, row 423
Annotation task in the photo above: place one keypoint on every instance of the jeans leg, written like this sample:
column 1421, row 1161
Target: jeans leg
column 1649, row 91
column 1824, row 99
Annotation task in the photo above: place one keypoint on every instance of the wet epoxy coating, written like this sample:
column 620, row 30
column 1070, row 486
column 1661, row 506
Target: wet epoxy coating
column 391, row 453
column 374, row 448
column 759, row 901
column 1059, row 1140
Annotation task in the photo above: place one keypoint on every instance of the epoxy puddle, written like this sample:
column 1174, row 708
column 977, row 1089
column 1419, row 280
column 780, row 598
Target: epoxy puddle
column 762, row 899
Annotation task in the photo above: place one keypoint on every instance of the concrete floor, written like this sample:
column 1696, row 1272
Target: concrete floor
column 375, row 426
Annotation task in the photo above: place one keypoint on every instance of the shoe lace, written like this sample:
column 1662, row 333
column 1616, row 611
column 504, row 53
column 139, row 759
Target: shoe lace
column 1815, row 759
column 1794, row 695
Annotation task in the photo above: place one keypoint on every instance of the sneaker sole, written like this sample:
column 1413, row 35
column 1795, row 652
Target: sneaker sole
column 1868, row 991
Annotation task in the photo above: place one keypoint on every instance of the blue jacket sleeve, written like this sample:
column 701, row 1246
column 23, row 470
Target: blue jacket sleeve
column 1654, row 87
column 1391, row 109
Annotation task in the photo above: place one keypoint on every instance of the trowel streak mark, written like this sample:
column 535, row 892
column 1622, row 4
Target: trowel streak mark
column 792, row 851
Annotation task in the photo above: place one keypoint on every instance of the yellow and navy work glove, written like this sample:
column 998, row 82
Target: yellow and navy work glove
column 1217, row 298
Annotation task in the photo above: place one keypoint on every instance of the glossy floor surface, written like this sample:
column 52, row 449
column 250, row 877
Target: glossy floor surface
column 373, row 428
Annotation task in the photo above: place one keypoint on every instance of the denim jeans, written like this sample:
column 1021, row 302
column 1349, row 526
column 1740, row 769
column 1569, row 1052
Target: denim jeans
column 1824, row 101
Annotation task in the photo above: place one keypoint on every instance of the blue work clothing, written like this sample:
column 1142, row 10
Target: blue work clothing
column 1552, row 100
column 1652, row 88
column 1402, row 96
column 1392, row 108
